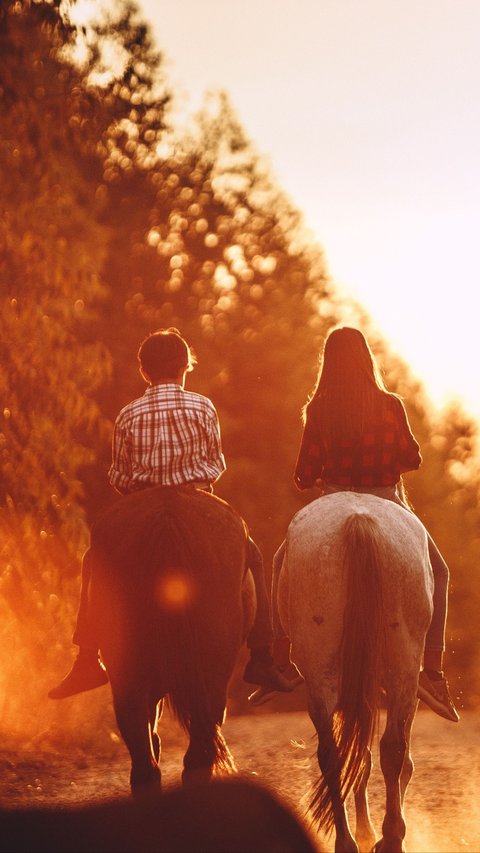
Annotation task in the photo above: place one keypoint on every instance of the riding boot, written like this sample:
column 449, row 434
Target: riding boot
column 86, row 673
column 433, row 690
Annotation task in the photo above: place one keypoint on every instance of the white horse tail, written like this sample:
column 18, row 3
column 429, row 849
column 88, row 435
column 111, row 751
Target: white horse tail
column 360, row 655
column 361, row 646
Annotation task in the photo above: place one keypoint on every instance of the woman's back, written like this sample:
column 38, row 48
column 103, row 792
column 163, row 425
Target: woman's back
column 373, row 451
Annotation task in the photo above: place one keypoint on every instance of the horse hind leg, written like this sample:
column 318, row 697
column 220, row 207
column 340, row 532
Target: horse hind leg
column 397, row 768
column 156, row 710
column 132, row 712
column 199, row 759
column 207, row 750
column 364, row 831
column 327, row 805
column 407, row 768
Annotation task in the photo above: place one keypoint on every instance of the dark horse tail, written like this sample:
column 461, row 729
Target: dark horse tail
column 178, row 579
column 360, row 661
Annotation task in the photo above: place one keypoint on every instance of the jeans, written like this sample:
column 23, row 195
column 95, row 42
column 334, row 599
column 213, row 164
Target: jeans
column 83, row 634
column 435, row 638
column 261, row 633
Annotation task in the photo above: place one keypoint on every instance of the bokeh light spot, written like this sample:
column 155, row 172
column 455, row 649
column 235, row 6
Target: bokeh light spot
column 175, row 592
column 211, row 240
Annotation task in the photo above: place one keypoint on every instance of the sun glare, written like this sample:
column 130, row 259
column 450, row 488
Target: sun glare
column 413, row 286
column 82, row 12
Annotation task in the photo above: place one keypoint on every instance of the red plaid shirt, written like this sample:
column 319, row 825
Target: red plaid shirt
column 378, row 457
column 168, row 437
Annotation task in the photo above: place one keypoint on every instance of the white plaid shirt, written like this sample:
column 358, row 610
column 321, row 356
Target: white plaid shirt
column 167, row 437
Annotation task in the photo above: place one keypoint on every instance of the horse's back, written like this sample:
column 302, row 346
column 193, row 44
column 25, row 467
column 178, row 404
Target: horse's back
column 321, row 520
column 200, row 516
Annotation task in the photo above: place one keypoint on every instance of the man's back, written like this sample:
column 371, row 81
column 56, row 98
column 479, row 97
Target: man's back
column 168, row 436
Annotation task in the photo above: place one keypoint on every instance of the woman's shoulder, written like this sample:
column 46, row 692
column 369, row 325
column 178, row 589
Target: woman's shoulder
column 391, row 405
column 394, row 407
column 312, row 410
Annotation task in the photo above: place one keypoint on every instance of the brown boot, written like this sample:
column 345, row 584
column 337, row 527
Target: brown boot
column 86, row 673
column 434, row 692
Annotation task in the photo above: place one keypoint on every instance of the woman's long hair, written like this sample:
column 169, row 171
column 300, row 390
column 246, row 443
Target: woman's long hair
column 349, row 385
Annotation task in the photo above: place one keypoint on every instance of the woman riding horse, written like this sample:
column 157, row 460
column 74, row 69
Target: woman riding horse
column 357, row 438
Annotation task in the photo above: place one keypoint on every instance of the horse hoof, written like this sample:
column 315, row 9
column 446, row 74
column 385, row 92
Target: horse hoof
column 379, row 847
column 196, row 776
column 146, row 784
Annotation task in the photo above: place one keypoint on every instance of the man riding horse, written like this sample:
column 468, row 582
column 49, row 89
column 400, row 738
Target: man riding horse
column 169, row 437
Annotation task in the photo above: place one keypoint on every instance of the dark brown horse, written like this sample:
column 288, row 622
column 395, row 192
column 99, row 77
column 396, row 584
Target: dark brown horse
column 172, row 601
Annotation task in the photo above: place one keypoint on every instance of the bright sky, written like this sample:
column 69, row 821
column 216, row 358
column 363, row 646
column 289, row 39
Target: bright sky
column 369, row 112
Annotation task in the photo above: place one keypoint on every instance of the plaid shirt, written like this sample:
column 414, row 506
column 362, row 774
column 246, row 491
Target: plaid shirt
column 378, row 457
column 168, row 437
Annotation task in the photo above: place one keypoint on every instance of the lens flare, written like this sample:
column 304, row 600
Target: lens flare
column 175, row 592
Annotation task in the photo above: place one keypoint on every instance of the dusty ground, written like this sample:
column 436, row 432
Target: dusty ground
column 442, row 805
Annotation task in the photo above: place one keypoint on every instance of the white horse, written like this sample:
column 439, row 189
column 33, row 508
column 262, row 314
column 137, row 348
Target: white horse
column 355, row 597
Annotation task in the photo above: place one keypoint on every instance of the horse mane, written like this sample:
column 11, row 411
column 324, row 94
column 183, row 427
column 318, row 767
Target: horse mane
column 360, row 658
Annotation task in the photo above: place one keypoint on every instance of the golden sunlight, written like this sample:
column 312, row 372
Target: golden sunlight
column 386, row 175
column 414, row 283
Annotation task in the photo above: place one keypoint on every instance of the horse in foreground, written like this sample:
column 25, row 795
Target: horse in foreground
column 355, row 597
column 172, row 600
column 225, row 816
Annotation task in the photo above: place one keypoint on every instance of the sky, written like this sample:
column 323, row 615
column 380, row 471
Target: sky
column 368, row 112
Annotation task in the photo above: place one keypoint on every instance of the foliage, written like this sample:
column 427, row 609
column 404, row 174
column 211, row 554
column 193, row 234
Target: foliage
column 50, row 269
column 216, row 249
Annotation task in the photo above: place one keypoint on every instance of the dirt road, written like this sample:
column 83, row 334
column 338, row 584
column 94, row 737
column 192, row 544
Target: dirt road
column 442, row 804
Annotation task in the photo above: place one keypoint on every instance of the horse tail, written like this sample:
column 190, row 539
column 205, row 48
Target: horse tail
column 181, row 630
column 360, row 661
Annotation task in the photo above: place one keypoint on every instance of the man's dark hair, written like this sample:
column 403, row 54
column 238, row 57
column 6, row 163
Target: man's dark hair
column 163, row 354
